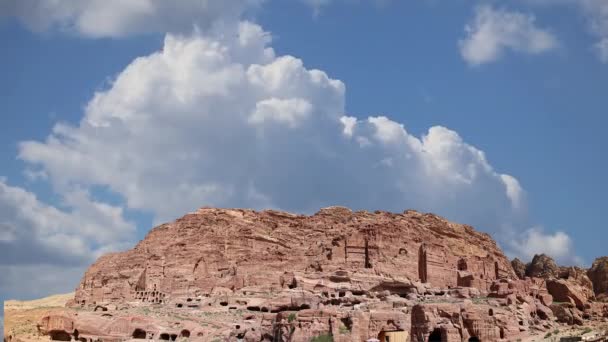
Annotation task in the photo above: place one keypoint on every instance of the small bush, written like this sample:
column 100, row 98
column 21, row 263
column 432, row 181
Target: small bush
column 548, row 335
column 291, row 317
column 344, row 330
column 322, row 338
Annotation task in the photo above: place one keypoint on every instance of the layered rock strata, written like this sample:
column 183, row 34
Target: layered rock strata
column 242, row 275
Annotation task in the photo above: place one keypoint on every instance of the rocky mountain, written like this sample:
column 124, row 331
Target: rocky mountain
column 339, row 275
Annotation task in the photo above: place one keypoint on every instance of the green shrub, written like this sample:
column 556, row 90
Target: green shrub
column 291, row 317
column 322, row 338
column 344, row 330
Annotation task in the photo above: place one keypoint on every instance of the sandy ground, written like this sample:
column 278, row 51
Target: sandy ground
column 588, row 331
column 21, row 317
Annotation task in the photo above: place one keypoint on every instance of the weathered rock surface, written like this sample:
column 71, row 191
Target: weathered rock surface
column 598, row 274
column 236, row 249
column 242, row 275
column 542, row 266
column 519, row 268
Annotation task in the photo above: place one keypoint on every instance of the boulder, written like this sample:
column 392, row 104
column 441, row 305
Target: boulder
column 598, row 274
column 565, row 291
column 542, row 266
column 519, row 267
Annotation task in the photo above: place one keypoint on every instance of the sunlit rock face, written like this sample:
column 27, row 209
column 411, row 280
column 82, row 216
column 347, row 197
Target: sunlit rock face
column 243, row 275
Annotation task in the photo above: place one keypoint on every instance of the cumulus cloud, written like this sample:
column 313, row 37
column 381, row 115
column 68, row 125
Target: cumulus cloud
column 118, row 18
column 223, row 121
column 535, row 240
column 218, row 118
column 32, row 232
column 43, row 244
column 493, row 31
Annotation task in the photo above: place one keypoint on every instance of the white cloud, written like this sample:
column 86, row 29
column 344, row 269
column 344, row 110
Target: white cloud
column 118, row 18
column 288, row 111
column 318, row 5
column 32, row 232
column 216, row 118
column 493, row 31
column 558, row 245
column 43, row 244
column 597, row 12
column 222, row 121
column 514, row 190
column 602, row 50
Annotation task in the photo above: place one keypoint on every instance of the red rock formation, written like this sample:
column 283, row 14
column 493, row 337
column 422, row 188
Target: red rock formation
column 598, row 273
column 242, row 275
column 519, row 267
column 542, row 266
column 236, row 249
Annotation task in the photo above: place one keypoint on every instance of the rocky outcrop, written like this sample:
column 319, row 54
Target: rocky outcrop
column 565, row 291
column 542, row 266
column 242, row 275
column 519, row 268
column 236, row 249
column 598, row 274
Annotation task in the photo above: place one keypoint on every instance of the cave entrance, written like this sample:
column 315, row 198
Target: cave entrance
column 60, row 335
column 185, row 333
column 139, row 334
column 474, row 339
column 435, row 336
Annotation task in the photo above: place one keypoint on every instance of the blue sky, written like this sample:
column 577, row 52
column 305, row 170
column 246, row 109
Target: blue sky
column 112, row 125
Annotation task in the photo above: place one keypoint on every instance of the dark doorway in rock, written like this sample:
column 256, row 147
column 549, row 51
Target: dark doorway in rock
column 173, row 337
column 435, row 336
column 368, row 263
column 139, row 334
column 422, row 270
column 185, row 333
column 491, row 312
column 60, row 335
column 462, row 265
column 164, row 337
column 474, row 339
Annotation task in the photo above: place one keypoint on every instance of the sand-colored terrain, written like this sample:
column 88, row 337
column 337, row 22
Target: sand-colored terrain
column 21, row 317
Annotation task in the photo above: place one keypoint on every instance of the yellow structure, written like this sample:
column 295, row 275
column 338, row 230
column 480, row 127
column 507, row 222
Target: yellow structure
column 393, row 336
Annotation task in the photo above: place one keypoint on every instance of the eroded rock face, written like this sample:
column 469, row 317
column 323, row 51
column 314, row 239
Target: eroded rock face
column 565, row 291
column 242, row 275
column 519, row 267
column 598, row 273
column 237, row 249
column 542, row 266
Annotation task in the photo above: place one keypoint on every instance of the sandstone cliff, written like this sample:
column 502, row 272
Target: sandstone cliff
column 234, row 249
column 241, row 275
